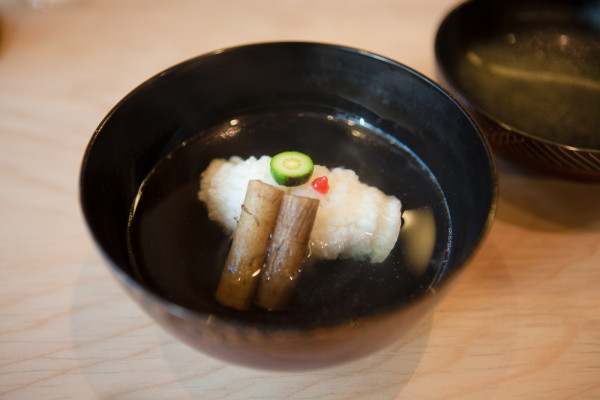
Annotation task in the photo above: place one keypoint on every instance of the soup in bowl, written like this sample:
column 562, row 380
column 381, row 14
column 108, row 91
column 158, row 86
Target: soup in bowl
column 393, row 133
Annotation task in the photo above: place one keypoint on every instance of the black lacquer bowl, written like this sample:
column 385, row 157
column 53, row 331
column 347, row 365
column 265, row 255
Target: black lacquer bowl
column 345, row 107
column 529, row 71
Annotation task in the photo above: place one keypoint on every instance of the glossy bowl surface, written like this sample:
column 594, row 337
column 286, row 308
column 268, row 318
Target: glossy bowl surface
column 529, row 72
column 343, row 106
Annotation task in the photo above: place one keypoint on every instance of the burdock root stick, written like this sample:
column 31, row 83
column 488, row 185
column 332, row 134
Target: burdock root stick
column 287, row 252
column 249, row 247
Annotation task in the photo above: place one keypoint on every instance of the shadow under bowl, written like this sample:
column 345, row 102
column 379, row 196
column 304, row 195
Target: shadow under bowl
column 529, row 73
column 345, row 107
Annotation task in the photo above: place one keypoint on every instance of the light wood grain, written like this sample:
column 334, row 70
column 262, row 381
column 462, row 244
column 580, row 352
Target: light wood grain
column 523, row 322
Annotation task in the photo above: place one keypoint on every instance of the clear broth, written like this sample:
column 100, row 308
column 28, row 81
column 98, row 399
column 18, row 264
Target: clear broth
column 178, row 253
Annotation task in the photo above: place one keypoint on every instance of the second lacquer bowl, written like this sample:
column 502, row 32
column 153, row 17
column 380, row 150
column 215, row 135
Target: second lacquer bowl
column 529, row 73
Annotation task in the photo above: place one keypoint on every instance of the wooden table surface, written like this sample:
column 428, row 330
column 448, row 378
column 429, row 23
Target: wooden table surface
column 523, row 322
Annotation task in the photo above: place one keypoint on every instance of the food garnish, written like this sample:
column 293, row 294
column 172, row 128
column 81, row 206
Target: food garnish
column 291, row 168
column 320, row 184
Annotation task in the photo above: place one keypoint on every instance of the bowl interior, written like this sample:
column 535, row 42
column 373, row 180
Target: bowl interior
column 529, row 65
column 345, row 107
column 328, row 292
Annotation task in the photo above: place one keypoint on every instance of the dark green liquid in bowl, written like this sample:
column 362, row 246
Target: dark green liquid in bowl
column 179, row 253
column 542, row 80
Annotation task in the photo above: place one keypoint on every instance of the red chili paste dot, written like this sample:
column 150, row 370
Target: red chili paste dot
column 321, row 185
